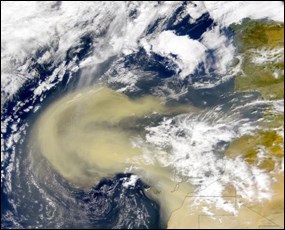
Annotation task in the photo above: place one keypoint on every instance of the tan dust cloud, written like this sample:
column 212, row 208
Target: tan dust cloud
column 87, row 135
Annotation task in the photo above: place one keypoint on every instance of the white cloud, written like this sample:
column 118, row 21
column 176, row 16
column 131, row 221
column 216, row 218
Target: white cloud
column 228, row 12
column 190, row 145
column 190, row 53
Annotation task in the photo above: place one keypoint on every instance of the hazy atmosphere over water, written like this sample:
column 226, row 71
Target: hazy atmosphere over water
column 142, row 114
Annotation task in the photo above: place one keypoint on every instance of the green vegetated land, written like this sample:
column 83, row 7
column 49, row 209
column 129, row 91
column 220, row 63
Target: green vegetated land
column 253, row 37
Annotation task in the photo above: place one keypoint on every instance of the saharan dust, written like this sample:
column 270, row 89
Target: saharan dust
column 88, row 135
